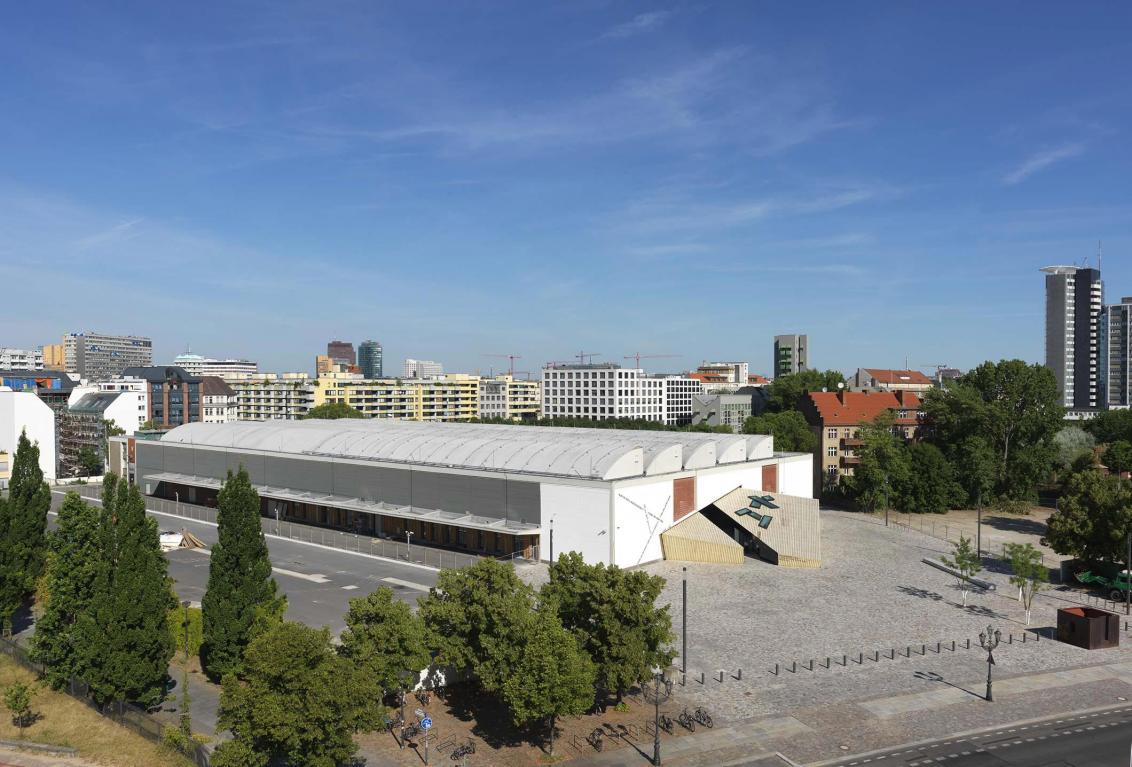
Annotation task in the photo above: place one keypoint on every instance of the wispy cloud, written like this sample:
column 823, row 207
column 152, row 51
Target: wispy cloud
column 642, row 22
column 668, row 249
column 1042, row 160
column 837, row 270
column 115, row 234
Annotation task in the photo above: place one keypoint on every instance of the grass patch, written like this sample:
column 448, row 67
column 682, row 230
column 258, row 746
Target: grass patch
column 63, row 721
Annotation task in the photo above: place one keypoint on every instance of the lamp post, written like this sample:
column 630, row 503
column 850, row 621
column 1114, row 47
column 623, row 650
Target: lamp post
column 177, row 501
column 552, row 540
column 186, row 716
column 979, row 525
column 403, row 677
column 684, row 624
column 408, row 545
column 657, row 696
column 1128, row 577
column 989, row 640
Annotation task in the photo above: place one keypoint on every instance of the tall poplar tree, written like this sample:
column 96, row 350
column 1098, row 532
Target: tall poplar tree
column 72, row 566
column 123, row 641
column 23, row 529
column 241, row 592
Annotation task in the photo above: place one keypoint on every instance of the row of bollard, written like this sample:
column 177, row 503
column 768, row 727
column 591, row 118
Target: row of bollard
column 891, row 654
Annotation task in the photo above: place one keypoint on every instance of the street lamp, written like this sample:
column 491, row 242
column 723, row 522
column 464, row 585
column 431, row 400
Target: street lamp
column 177, row 496
column 659, row 693
column 1128, row 577
column 989, row 640
column 186, row 716
column 409, row 545
column 403, row 677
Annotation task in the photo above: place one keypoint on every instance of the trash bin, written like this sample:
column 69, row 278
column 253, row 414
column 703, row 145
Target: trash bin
column 1088, row 627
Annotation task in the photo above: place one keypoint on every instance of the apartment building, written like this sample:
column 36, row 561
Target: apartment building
column 679, row 391
column 1074, row 305
column 5, row 469
column 836, row 419
column 54, row 357
column 218, row 401
column 174, row 396
column 21, row 359
column 791, row 354
column 99, row 357
column 198, row 366
column 453, row 397
column 1116, row 355
column 508, row 397
column 270, row 396
column 881, row 379
column 716, row 409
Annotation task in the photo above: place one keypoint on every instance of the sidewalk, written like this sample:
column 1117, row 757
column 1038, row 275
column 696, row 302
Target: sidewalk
column 840, row 730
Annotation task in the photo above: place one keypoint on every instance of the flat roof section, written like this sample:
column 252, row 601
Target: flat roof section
column 538, row 450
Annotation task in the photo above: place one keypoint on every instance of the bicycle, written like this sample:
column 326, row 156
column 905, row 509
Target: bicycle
column 686, row 721
column 424, row 697
column 666, row 723
column 703, row 717
column 465, row 750
column 412, row 731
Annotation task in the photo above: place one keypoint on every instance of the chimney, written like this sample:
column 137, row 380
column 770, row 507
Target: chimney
column 841, row 396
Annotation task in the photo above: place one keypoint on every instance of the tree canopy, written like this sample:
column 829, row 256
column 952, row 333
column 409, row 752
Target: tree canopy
column 884, row 468
column 789, row 428
column 931, row 486
column 474, row 615
column 1093, row 518
column 23, row 529
column 240, row 590
column 785, row 391
column 300, row 702
column 1118, row 457
column 123, row 640
column 73, row 558
column 1014, row 408
column 383, row 639
column 1111, row 426
column 614, row 616
column 1071, row 444
column 332, row 410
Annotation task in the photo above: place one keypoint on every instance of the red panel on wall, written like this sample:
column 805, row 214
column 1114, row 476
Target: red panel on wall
column 770, row 478
column 683, row 497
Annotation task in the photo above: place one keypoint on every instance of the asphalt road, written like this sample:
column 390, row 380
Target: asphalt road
column 319, row 582
column 1098, row 739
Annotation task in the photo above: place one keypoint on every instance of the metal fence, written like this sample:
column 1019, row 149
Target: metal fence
column 421, row 554
column 125, row 714
column 951, row 533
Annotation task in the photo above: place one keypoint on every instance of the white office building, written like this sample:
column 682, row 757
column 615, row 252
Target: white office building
column 421, row 369
column 198, row 366
column 21, row 359
column 601, row 391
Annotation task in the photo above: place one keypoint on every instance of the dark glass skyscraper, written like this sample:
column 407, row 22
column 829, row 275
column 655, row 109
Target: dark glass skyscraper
column 369, row 359
column 1074, row 306
column 341, row 352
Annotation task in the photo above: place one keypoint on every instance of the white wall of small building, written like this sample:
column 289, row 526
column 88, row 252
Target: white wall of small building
column 796, row 475
column 128, row 411
column 25, row 410
column 581, row 520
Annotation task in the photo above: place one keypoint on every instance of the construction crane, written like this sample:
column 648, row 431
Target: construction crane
column 638, row 357
column 582, row 356
column 510, row 360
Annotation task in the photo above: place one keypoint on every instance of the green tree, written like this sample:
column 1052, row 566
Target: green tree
column 23, row 529
column 331, row 410
column 1029, row 573
column 786, row 391
column 614, row 616
column 1014, row 408
column 123, row 640
column 300, row 702
column 973, row 461
column 1093, row 516
column 69, row 589
column 1070, row 444
column 474, row 616
column 789, row 428
column 1111, row 426
column 240, row 587
column 966, row 561
column 931, row 486
column 552, row 676
column 90, row 462
column 1118, row 457
column 17, row 699
column 884, row 468
column 383, row 638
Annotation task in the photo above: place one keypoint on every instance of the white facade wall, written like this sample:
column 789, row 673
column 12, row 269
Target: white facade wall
column 421, row 369
column 195, row 365
column 796, row 475
column 642, row 511
column 25, row 410
column 601, row 392
column 21, row 359
column 581, row 520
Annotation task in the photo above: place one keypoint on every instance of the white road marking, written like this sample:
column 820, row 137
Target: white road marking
column 351, row 587
column 316, row 578
column 407, row 584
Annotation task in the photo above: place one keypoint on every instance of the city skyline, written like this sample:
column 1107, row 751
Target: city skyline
column 616, row 179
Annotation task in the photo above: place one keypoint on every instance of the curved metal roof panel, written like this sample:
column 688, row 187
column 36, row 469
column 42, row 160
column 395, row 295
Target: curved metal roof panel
column 570, row 452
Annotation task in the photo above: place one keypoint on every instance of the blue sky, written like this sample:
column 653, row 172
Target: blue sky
column 462, row 179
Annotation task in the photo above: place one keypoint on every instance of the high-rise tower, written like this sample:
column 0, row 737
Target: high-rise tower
column 369, row 359
column 1074, row 303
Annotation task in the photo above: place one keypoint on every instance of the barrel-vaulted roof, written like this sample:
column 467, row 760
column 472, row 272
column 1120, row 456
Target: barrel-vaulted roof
column 560, row 451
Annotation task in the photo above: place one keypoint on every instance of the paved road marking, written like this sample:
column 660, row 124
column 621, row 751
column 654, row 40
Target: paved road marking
column 315, row 578
column 351, row 587
column 407, row 584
